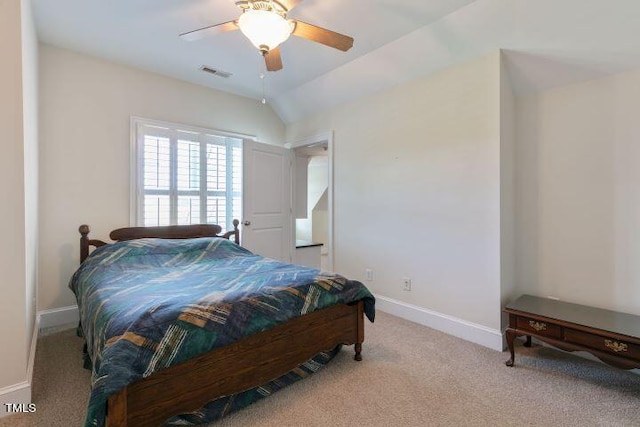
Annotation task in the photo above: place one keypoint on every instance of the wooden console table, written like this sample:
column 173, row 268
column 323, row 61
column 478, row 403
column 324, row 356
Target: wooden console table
column 612, row 337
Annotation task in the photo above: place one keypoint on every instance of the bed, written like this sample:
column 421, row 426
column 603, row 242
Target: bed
column 183, row 326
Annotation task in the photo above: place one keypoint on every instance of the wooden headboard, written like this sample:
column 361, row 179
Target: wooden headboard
column 168, row 232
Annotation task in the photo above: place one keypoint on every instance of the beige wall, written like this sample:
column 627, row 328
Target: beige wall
column 18, row 122
column 13, row 362
column 578, row 187
column 417, row 189
column 85, row 107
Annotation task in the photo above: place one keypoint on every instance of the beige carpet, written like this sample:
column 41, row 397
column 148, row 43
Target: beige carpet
column 410, row 376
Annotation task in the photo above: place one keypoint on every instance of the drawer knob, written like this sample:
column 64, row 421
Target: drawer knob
column 538, row 326
column 615, row 346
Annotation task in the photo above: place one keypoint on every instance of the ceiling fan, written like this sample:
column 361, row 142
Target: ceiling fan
column 265, row 24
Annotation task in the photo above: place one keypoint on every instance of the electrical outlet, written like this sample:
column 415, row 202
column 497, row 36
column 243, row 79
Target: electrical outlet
column 406, row 283
column 368, row 274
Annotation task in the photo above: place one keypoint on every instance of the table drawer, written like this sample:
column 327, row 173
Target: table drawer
column 539, row 327
column 608, row 345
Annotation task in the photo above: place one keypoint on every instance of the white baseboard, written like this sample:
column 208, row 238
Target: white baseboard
column 469, row 331
column 17, row 393
column 58, row 317
column 21, row 392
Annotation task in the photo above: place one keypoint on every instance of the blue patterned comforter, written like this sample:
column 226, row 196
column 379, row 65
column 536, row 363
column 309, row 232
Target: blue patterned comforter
column 150, row 303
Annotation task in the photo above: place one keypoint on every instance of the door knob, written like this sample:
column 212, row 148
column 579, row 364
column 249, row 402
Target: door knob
column 247, row 223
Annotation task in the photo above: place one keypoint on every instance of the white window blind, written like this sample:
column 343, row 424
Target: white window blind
column 184, row 176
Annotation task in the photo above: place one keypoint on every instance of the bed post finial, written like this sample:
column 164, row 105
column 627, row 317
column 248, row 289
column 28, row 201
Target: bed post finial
column 236, row 223
column 84, row 241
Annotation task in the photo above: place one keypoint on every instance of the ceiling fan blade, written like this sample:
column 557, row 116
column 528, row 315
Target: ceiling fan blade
column 322, row 35
column 288, row 4
column 209, row 31
column 273, row 60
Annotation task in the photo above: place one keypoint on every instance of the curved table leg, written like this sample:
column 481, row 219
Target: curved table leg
column 511, row 335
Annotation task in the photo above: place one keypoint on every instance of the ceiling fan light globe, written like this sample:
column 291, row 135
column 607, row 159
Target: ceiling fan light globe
column 265, row 28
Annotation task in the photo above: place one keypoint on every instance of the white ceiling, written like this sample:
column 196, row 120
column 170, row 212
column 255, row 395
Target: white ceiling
column 548, row 43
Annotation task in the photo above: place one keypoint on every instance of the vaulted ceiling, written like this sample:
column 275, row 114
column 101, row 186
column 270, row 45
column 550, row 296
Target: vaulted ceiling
column 547, row 43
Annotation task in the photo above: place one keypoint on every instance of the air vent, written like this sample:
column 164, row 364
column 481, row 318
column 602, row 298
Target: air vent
column 219, row 73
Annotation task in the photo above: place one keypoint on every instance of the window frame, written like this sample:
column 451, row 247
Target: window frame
column 163, row 129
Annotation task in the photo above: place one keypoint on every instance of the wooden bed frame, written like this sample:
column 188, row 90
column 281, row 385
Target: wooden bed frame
column 231, row 369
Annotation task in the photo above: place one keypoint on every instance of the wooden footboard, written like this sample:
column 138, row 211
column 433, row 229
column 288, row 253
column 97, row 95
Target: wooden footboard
column 236, row 367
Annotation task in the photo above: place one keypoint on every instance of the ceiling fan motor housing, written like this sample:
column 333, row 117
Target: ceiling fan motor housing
column 266, row 5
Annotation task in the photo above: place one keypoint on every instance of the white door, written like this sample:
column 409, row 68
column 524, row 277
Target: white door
column 266, row 222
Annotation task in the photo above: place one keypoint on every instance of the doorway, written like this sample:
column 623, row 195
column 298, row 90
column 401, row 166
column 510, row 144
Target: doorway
column 312, row 201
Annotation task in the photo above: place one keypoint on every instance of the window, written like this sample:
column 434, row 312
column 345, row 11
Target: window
column 185, row 175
